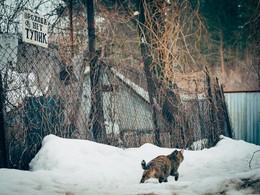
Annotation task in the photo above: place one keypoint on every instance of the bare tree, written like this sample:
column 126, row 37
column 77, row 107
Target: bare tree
column 171, row 47
column 145, row 39
column 97, row 121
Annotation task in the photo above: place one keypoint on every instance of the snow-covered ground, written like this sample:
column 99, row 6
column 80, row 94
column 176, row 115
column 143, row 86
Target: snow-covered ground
column 67, row 166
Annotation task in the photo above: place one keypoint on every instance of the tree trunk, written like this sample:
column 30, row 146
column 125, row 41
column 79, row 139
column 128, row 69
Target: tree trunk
column 71, row 28
column 212, row 114
column 97, row 121
column 3, row 154
column 221, row 52
column 147, row 59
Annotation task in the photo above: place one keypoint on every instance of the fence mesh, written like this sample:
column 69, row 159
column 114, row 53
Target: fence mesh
column 48, row 91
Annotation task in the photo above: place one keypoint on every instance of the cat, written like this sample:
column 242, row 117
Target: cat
column 163, row 166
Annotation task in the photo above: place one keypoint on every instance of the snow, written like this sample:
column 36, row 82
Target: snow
column 136, row 13
column 69, row 166
column 21, row 85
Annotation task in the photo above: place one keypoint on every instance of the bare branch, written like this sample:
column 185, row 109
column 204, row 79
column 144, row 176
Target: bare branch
column 252, row 159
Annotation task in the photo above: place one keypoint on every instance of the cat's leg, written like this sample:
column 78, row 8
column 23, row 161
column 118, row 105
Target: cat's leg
column 172, row 173
column 142, row 179
column 176, row 176
column 162, row 179
column 147, row 175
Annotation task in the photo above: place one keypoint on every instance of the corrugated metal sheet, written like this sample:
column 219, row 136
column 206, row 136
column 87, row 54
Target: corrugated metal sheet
column 244, row 112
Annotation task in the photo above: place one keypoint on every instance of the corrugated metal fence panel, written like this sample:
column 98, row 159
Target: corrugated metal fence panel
column 244, row 112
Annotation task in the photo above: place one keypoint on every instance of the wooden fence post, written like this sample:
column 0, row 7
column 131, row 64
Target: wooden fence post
column 212, row 112
column 225, row 109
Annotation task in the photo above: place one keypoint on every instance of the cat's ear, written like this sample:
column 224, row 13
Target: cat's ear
column 182, row 151
column 175, row 152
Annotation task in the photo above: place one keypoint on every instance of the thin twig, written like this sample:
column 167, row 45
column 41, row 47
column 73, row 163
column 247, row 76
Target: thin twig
column 252, row 159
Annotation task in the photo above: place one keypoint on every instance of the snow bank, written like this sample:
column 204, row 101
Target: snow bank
column 68, row 166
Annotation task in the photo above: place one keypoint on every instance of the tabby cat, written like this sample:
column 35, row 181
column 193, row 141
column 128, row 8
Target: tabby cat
column 162, row 166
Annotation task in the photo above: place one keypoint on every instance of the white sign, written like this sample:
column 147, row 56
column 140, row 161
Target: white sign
column 8, row 50
column 35, row 29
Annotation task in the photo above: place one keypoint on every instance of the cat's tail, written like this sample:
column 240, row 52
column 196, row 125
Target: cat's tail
column 144, row 166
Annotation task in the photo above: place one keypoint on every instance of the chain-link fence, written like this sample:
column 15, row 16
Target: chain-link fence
column 37, row 101
column 48, row 91
column 44, row 95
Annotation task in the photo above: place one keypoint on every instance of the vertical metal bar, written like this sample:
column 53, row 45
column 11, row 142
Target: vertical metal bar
column 3, row 153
